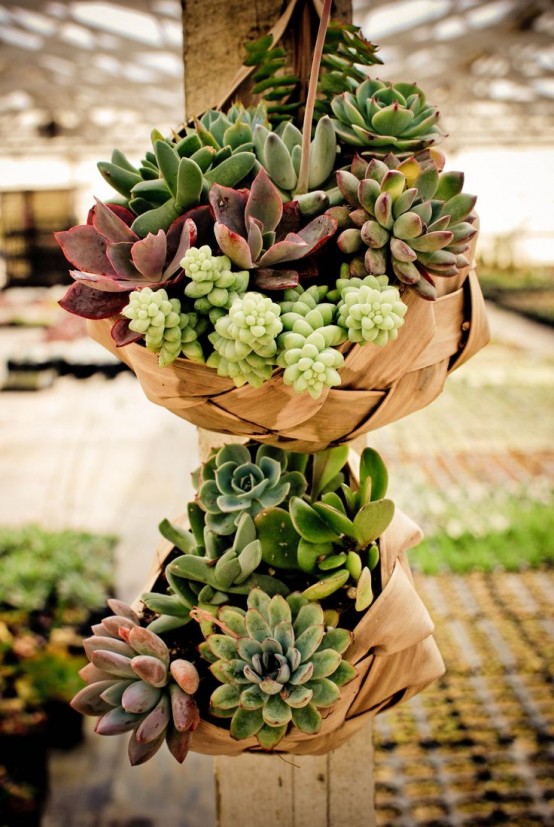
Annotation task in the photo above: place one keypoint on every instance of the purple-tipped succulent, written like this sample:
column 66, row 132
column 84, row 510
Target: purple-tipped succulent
column 257, row 232
column 112, row 260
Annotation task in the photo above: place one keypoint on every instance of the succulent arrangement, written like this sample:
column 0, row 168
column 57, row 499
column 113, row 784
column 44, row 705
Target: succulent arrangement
column 250, row 621
column 199, row 250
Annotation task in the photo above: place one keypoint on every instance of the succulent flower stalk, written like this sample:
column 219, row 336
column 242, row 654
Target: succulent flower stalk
column 278, row 665
column 133, row 686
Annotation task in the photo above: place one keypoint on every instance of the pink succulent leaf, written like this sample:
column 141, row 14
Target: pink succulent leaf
column 85, row 249
column 123, row 335
column 85, row 301
column 264, row 202
column 291, row 220
column 228, row 206
column 126, row 215
column 255, row 238
column 110, row 225
column 233, row 245
column 291, row 248
column 187, row 239
column 149, row 254
column 119, row 253
column 318, row 231
column 266, row 278
column 103, row 284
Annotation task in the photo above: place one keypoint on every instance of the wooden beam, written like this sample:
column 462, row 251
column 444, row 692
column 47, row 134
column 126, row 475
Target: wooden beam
column 334, row 790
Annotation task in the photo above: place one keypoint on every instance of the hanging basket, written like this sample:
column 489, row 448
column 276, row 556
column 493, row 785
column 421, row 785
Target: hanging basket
column 392, row 649
column 379, row 384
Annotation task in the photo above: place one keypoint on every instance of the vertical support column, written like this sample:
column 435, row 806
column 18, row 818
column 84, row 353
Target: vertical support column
column 334, row 790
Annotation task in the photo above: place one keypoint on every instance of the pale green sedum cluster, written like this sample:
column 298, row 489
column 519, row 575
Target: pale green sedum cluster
column 308, row 346
column 370, row 309
column 244, row 340
column 166, row 330
column 212, row 283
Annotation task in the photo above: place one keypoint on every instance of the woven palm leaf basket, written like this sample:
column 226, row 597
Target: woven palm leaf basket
column 392, row 649
column 378, row 385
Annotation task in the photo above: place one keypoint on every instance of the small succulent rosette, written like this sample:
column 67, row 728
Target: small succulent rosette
column 281, row 615
column 298, row 292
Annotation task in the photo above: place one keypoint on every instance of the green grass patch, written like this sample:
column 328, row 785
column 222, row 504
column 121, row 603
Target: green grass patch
column 529, row 291
column 526, row 542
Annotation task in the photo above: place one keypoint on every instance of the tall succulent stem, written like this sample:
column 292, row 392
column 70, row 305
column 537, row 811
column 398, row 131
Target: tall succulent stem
column 303, row 177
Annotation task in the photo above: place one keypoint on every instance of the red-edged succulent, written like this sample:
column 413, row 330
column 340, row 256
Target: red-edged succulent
column 257, row 232
column 112, row 260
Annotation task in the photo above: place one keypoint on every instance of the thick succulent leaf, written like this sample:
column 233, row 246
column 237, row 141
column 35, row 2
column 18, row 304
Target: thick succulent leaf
column 299, row 696
column 119, row 254
column 310, row 614
column 185, row 674
column 186, row 239
column 139, row 753
column 269, row 736
column 155, row 722
column 337, row 639
column 373, row 476
column 326, row 465
column 325, row 663
column 140, row 697
column 278, row 538
column 267, row 278
column 249, row 559
column 364, row 591
column 372, row 520
column 326, row 692
column 291, row 248
column 284, row 634
column 308, row 642
column 309, row 524
column 276, row 711
column 110, row 644
column 225, row 697
column 459, row 207
column 228, row 207
column 278, row 611
column 111, row 662
column 234, row 619
column 226, row 571
column 150, row 669
column 184, row 711
column 256, row 626
column 90, row 303
column 344, row 673
column 149, row 255
column 327, row 585
column 309, row 554
column 270, row 686
column 85, row 248
column 234, row 246
column 91, row 674
column 178, row 743
column 88, row 700
column 258, row 599
column 335, row 519
column 145, row 642
column 307, row 719
column 117, row 721
column 122, row 334
column 110, row 224
column 264, row 202
column 246, row 723
column 251, row 698
column 222, row 646
column 450, row 184
column 333, row 561
column 255, row 238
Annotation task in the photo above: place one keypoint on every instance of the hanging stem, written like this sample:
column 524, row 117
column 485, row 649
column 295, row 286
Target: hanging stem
column 303, row 177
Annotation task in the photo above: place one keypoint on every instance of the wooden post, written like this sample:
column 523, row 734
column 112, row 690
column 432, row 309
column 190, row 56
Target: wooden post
column 334, row 790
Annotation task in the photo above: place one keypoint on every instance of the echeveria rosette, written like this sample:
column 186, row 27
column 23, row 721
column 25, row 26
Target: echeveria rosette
column 249, row 231
column 381, row 117
column 112, row 260
column 212, row 282
column 370, row 309
column 235, row 483
column 166, row 329
column 244, row 340
column 412, row 220
column 133, row 686
column 278, row 666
